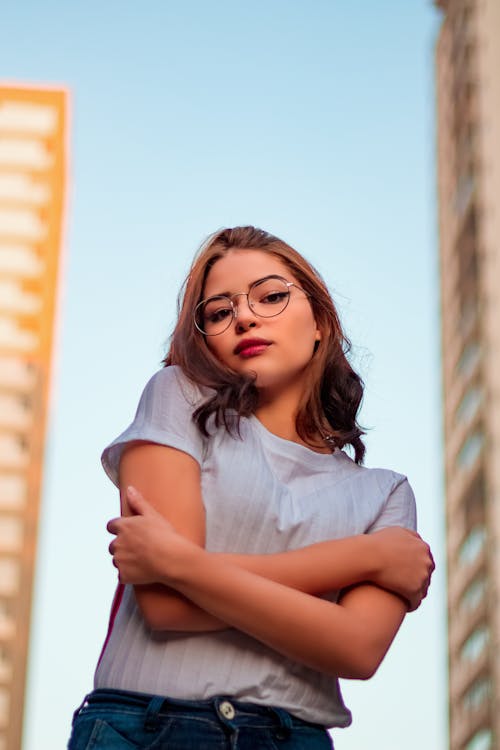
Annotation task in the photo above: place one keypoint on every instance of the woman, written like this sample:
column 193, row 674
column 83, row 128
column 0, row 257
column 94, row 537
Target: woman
column 258, row 562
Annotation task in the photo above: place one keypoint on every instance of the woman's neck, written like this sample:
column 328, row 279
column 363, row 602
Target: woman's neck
column 278, row 411
column 279, row 415
column 279, row 423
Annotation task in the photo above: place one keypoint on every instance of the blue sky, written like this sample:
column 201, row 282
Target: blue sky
column 313, row 120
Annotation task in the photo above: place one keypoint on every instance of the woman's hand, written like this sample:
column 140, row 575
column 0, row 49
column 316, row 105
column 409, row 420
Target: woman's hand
column 147, row 549
column 146, row 546
column 405, row 564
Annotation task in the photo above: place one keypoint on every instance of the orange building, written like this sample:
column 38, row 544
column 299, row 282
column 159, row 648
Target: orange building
column 468, row 129
column 32, row 185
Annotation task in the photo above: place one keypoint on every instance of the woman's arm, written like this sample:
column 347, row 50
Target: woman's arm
column 170, row 479
column 393, row 558
column 348, row 639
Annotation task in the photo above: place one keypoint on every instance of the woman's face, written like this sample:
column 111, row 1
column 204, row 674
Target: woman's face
column 287, row 341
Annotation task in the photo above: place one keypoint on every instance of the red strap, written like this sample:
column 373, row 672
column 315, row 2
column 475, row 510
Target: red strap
column 117, row 600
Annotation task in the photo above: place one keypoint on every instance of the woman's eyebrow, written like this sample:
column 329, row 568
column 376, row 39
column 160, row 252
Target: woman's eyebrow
column 219, row 294
column 227, row 294
column 231, row 294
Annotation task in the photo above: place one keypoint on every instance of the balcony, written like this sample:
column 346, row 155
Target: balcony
column 14, row 452
column 13, row 492
column 17, row 374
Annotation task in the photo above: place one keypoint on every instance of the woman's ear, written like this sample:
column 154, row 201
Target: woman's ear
column 317, row 339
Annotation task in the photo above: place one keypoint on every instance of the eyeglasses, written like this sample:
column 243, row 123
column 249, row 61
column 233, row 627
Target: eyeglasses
column 266, row 297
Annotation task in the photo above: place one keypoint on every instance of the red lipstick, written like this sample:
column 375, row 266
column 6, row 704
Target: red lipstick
column 251, row 347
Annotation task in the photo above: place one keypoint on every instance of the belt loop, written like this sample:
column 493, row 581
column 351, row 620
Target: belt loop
column 152, row 719
column 77, row 711
column 285, row 720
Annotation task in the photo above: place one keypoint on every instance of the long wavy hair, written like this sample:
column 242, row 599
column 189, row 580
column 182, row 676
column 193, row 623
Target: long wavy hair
column 333, row 390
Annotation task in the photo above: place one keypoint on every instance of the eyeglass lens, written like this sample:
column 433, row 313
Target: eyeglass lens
column 266, row 298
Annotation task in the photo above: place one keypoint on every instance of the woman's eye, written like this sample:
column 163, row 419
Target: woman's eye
column 218, row 315
column 273, row 298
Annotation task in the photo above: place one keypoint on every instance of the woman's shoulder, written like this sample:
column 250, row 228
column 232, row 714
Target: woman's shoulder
column 395, row 503
column 386, row 496
column 163, row 416
column 171, row 383
column 361, row 470
column 388, row 479
column 383, row 479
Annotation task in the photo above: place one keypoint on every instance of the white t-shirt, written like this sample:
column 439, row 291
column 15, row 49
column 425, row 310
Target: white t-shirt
column 262, row 494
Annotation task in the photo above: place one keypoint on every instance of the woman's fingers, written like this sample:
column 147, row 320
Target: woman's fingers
column 113, row 526
column 433, row 563
column 416, row 599
column 137, row 502
column 407, row 563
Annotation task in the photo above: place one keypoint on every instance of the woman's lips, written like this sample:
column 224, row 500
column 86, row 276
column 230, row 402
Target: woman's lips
column 251, row 347
column 253, row 350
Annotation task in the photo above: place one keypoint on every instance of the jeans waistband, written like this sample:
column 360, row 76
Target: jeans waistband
column 227, row 710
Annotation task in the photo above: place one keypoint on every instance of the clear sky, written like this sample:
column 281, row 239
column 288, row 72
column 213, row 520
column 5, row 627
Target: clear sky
column 311, row 119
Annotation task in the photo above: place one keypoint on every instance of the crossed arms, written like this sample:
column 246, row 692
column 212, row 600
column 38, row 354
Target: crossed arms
column 159, row 547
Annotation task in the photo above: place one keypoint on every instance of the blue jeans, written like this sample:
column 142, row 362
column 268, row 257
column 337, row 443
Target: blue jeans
column 119, row 720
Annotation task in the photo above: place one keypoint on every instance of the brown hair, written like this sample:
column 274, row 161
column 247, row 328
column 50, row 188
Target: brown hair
column 333, row 391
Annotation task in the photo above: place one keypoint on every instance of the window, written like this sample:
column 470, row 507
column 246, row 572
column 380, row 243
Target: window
column 472, row 546
column 469, row 405
column 475, row 644
column 470, row 450
column 468, row 317
column 474, row 594
column 474, row 501
column 478, row 693
column 469, row 360
column 463, row 194
column 482, row 740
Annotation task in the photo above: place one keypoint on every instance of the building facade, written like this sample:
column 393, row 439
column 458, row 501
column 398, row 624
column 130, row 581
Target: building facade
column 32, row 181
column 468, row 155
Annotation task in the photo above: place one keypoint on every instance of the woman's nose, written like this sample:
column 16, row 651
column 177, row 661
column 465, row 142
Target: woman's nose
column 244, row 315
column 242, row 326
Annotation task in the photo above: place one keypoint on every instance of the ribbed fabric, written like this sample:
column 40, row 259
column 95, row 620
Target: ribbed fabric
column 262, row 494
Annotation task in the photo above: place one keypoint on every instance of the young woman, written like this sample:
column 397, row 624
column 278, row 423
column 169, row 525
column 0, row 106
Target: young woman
column 258, row 562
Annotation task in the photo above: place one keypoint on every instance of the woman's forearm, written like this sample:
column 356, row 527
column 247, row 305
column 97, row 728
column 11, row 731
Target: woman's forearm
column 394, row 559
column 315, row 569
column 328, row 637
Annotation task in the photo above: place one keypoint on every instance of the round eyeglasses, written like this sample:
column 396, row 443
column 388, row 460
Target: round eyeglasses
column 266, row 297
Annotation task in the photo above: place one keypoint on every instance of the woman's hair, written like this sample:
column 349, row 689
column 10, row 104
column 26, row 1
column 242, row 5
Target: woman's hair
column 333, row 391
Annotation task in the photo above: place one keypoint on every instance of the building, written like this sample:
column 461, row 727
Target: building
column 32, row 179
column 468, row 154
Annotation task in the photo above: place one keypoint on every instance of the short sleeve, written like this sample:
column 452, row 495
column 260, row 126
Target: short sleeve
column 399, row 509
column 163, row 416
